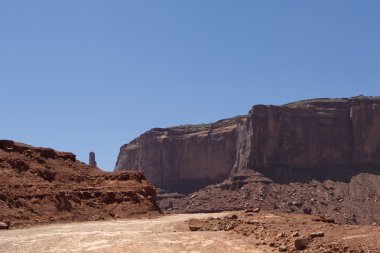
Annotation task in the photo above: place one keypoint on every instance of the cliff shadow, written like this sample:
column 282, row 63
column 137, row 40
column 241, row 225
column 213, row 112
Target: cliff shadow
column 190, row 185
column 294, row 175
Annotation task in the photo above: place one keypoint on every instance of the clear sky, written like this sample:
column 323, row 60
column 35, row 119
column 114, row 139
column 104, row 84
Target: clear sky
column 81, row 75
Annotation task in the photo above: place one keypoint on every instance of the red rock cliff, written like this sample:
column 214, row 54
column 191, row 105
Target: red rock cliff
column 327, row 138
column 185, row 157
column 316, row 137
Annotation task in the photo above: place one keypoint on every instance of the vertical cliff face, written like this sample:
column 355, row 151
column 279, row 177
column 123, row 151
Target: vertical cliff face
column 183, row 158
column 318, row 138
column 301, row 137
column 365, row 118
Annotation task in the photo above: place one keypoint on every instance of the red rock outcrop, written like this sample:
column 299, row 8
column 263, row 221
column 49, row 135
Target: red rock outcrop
column 318, row 138
column 328, row 138
column 41, row 185
column 91, row 159
column 185, row 157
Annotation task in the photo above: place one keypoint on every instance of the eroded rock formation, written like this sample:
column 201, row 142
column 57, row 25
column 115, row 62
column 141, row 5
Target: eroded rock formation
column 183, row 157
column 91, row 159
column 318, row 138
column 41, row 185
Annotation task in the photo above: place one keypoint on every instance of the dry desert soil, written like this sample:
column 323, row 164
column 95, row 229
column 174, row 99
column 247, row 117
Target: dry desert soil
column 164, row 234
column 236, row 232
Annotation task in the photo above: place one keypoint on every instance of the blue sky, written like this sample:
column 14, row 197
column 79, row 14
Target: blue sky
column 81, row 75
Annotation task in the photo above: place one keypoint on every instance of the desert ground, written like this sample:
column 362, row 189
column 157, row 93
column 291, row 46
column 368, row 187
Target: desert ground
column 164, row 234
column 237, row 232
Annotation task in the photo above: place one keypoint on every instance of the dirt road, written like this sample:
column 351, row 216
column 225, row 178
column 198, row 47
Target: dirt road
column 164, row 234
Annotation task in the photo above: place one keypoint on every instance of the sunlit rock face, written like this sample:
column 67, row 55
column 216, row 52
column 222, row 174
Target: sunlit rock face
column 320, row 138
column 185, row 157
column 317, row 138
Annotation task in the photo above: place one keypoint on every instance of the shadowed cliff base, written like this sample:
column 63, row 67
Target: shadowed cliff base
column 293, row 175
column 355, row 202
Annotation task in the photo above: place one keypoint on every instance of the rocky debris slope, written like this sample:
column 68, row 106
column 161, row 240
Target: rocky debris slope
column 355, row 202
column 294, row 233
column 185, row 157
column 298, row 142
column 41, row 185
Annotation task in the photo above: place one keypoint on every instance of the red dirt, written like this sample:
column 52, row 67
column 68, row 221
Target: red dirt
column 281, row 231
column 41, row 185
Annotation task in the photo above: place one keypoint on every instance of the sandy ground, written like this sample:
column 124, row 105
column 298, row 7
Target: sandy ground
column 164, row 234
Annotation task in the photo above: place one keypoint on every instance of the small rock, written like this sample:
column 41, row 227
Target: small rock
column 301, row 244
column 334, row 246
column 4, row 225
column 256, row 210
column 307, row 210
column 249, row 211
column 234, row 216
column 295, row 234
column 229, row 226
column 193, row 196
column 317, row 234
column 297, row 204
column 194, row 228
column 282, row 249
column 280, row 235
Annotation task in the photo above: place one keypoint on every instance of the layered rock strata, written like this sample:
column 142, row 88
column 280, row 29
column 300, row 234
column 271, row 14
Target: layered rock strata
column 318, row 138
column 184, row 157
column 41, row 185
